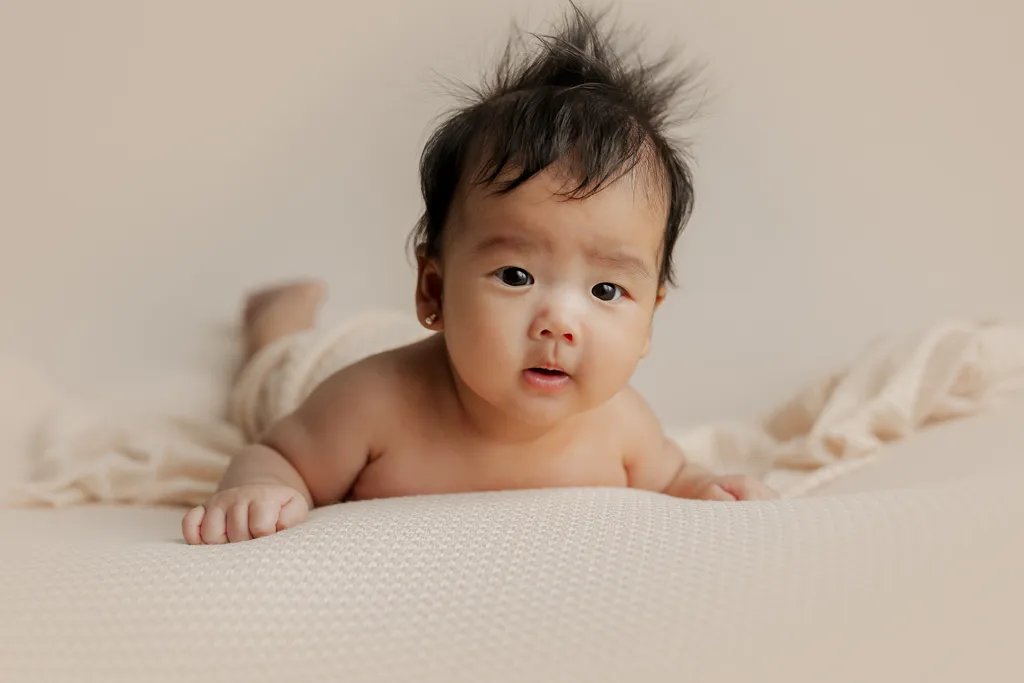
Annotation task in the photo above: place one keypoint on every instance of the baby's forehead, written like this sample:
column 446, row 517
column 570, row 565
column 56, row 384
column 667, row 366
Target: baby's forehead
column 629, row 209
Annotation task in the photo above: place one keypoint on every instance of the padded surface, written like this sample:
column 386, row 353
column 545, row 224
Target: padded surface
column 917, row 582
column 556, row 585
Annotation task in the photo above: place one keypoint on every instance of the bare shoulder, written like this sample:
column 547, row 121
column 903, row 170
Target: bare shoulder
column 338, row 428
column 360, row 385
column 357, row 395
column 649, row 457
column 637, row 427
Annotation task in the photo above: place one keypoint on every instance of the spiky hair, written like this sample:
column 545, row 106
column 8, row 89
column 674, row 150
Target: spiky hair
column 574, row 101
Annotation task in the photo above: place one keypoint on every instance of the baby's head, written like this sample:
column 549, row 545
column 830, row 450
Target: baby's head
column 553, row 203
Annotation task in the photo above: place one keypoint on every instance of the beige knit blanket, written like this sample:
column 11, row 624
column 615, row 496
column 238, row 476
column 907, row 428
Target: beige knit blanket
column 59, row 454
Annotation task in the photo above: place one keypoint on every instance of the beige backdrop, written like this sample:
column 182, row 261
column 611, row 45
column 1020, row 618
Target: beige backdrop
column 859, row 165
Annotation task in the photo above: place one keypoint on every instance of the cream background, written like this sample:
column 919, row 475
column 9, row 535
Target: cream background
column 858, row 171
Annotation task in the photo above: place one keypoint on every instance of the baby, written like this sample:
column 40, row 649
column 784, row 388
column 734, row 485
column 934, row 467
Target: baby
column 553, row 203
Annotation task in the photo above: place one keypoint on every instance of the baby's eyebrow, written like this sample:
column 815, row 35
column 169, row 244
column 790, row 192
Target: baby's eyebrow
column 622, row 261
column 510, row 242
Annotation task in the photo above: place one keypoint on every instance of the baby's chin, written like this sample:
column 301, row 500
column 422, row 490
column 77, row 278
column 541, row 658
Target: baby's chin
column 535, row 401
column 543, row 410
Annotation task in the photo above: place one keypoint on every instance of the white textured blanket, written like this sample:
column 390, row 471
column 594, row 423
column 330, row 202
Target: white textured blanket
column 63, row 455
column 917, row 583
column 920, row 584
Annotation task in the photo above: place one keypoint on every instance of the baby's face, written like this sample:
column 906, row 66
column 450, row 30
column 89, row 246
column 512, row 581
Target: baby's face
column 548, row 302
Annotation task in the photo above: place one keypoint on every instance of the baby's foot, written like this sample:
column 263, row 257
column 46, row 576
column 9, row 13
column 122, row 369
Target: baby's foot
column 279, row 311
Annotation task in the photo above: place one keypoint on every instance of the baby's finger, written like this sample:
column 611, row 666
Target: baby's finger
column 190, row 525
column 716, row 492
column 238, row 523
column 749, row 489
column 212, row 529
column 263, row 518
column 294, row 512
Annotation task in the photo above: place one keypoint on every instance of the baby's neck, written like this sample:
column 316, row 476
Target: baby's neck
column 487, row 423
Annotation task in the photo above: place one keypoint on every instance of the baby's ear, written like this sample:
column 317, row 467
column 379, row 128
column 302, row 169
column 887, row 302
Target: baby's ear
column 662, row 293
column 659, row 297
column 428, row 289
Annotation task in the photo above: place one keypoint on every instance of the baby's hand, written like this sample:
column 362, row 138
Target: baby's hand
column 732, row 487
column 244, row 513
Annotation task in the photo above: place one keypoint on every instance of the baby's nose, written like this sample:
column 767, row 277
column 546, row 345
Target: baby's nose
column 554, row 331
column 558, row 326
column 558, row 319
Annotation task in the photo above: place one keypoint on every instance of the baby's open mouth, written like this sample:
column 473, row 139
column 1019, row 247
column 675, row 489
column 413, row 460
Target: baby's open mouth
column 548, row 371
column 546, row 379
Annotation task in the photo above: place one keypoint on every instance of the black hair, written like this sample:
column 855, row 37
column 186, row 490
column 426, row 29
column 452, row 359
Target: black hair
column 574, row 101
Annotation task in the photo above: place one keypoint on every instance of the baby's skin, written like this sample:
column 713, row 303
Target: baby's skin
column 540, row 309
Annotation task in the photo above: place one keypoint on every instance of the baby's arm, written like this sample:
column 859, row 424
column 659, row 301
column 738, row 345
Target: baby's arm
column 655, row 462
column 308, row 458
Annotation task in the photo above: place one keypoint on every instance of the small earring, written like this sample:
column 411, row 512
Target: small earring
column 430, row 319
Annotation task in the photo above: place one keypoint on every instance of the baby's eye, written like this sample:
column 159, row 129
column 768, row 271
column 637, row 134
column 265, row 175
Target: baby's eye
column 514, row 277
column 606, row 291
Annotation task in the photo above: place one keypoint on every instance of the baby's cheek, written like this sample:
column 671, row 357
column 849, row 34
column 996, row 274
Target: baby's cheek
column 480, row 338
column 615, row 352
